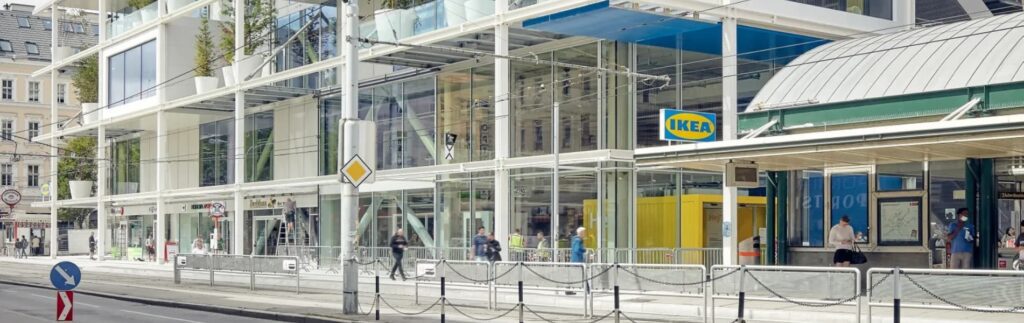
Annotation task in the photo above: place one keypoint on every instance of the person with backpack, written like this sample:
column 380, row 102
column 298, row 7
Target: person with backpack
column 960, row 241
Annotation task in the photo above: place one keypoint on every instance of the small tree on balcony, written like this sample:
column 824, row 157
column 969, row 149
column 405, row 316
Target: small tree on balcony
column 139, row 4
column 260, row 23
column 204, row 49
column 77, row 163
column 86, row 80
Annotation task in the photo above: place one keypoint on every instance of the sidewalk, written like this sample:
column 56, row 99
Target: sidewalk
column 320, row 297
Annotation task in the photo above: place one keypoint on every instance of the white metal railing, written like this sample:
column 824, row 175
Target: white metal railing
column 238, row 264
column 983, row 291
column 804, row 286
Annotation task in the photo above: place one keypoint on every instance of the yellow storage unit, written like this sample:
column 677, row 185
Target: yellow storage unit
column 701, row 220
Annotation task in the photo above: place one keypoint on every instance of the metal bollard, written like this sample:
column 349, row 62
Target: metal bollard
column 616, row 291
column 376, row 296
column 521, row 292
column 211, row 269
column 743, row 295
column 177, row 271
column 896, row 295
column 442, row 299
column 252, row 273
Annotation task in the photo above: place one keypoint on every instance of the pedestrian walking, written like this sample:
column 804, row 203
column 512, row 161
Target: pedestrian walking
column 398, row 246
column 578, row 253
column 35, row 246
column 493, row 249
column 960, row 242
column 24, row 247
column 19, row 247
column 150, row 249
column 515, row 245
column 841, row 237
column 92, row 246
column 480, row 245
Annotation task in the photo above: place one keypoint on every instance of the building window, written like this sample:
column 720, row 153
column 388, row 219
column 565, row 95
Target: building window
column 132, row 74
column 32, row 48
column 33, row 91
column 216, row 144
column 79, row 28
column 61, row 90
column 68, row 28
column 23, row 22
column 259, row 146
column 47, row 24
column 5, row 46
column 6, row 175
column 33, row 129
column 7, row 89
column 33, row 175
column 849, row 197
column 7, row 129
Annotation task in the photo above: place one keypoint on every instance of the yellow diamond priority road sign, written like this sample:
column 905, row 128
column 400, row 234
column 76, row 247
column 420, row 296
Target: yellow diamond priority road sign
column 356, row 171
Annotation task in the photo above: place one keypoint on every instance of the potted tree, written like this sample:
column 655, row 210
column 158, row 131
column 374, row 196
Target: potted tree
column 86, row 83
column 260, row 23
column 394, row 21
column 205, row 81
column 76, row 171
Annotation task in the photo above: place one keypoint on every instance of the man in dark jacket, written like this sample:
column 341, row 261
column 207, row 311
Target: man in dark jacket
column 493, row 251
column 398, row 246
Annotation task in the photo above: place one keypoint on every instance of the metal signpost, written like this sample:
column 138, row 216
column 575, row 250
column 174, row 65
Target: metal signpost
column 65, row 276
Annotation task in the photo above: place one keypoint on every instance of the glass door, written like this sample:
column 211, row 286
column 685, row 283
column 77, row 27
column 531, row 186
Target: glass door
column 265, row 232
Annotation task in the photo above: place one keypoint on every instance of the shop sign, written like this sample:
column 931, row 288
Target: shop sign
column 206, row 207
column 11, row 197
column 217, row 209
column 680, row 125
column 1011, row 195
column 263, row 203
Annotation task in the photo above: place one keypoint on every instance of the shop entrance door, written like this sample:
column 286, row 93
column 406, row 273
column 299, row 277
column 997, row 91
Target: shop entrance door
column 265, row 231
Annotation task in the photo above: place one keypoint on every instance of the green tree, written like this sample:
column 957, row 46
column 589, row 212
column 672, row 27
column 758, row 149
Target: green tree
column 260, row 23
column 86, row 80
column 204, row 49
column 77, row 162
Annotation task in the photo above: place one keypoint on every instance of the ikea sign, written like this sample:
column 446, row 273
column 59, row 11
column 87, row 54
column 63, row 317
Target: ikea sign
column 679, row 125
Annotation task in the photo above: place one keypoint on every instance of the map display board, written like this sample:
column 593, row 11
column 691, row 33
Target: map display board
column 899, row 221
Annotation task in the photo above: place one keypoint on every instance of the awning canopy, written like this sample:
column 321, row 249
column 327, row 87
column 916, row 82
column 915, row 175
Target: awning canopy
column 987, row 137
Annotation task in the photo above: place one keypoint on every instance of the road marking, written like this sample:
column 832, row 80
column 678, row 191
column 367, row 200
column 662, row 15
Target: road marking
column 76, row 303
column 25, row 315
column 160, row 316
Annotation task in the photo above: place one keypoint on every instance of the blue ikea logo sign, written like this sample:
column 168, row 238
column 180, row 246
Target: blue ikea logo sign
column 679, row 125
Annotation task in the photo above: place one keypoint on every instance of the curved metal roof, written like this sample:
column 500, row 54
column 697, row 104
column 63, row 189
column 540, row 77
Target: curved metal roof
column 957, row 55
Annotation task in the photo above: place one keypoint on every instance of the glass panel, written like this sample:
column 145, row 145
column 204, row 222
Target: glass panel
column 388, row 117
column 652, row 97
column 577, row 97
column 389, row 216
column 148, row 69
column 419, row 119
column 132, row 74
column 807, row 223
column 483, row 113
column 453, row 100
column 946, row 191
column 216, row 145
column 531, row 204
column 849, row 193
column 259, row 143
column 330, row 116
column 657, row 210
column 577, row 195
column 900, row 177
column 116, row 76
column 531, row 108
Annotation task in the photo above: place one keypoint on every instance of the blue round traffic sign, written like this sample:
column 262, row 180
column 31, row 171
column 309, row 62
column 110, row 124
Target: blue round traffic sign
column 65, row 275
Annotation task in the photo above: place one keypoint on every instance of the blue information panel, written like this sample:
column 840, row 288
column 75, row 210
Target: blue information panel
column 65, row 275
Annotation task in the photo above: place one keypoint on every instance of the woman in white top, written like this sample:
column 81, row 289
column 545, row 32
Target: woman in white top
column 841, row 237
column 197, row 247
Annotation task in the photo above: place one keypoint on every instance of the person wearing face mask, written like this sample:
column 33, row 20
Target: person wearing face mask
column 961, row 241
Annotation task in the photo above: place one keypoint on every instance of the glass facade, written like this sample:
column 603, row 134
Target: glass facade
column 874, row 8
column 259, row 146
column 132, row 74
column 216, row 146
column 125, row 163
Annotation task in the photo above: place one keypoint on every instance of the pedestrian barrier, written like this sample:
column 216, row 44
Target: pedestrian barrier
column 678, row 256
column 984, row 291
column 803, row 286
column 686, row 281
column 286, row 266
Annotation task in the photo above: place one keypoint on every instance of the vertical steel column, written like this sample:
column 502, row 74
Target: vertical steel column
column 743, row 294
column 971, row 181
column 782, row 217
column 770, row 219
column 349, row 44
column 502, row 131
column 101, row 189
column 554, row 178
column 988, row 217
column 729, row 104
column 55, row 23
column 238, row 210
column 161, row 141
column 896, row 294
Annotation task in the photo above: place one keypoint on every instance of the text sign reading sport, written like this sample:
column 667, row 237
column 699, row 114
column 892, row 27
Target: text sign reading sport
column 679, row 125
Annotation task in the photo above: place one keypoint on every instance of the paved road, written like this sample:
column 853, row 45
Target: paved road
column 30, row 304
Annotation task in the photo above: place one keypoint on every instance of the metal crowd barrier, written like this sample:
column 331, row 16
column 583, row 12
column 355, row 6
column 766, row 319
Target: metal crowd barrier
column 657, row 280
column 236, row 264
column 804, row 286
column 984, row 291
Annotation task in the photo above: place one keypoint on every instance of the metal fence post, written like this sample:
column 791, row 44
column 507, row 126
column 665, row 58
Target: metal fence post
column 177, row 271
column 615, row 280
column 492, row 301
column 521, row 305
column 298, row 277
column 212, row 264
column 743, row 295
column 896, row 295
column 252, row 273
column 442, row 299
column 376, row 296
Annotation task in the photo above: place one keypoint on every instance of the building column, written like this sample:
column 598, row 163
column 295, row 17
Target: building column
column 971, row 180
column 729, row 94
column 102, row 229
column 769, row 216
column 988, row 217
column 160, row 237
column 502, row 151
column 238, row 210
column 782, row 218
column 53, row 141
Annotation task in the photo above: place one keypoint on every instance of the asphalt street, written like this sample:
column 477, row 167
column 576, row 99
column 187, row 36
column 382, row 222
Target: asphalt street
column 20, row 304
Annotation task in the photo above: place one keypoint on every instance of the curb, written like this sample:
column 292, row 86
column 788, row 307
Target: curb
column 244, row 312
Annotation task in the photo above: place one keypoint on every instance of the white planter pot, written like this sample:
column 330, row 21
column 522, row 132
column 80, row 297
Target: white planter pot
column 148, row 13
column 174, row 5
column 394, row 24
column 205, row 84
column 247, row 66
column 63, row 52
column 478, row 9
column 454, row 12
column 90, row 112
column 229, row 75
column 80, row 189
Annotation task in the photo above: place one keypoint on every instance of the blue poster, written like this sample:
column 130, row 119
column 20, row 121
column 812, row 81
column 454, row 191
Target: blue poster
column 850, row 198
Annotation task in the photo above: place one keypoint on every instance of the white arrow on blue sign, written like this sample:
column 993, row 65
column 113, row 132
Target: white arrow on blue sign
column 65, row 275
